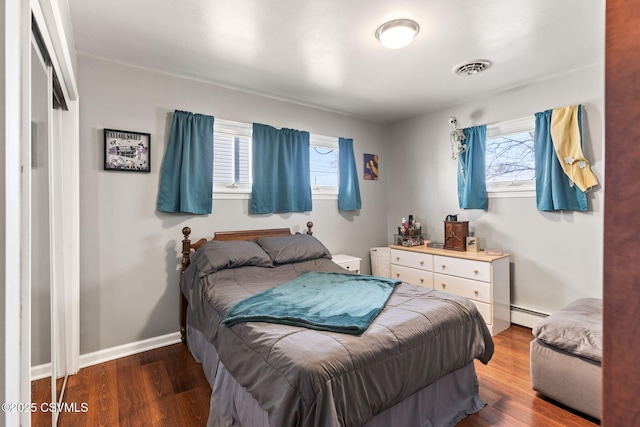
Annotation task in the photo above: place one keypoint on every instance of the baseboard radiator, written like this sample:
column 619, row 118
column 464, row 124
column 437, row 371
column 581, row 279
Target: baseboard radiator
column 527, row 317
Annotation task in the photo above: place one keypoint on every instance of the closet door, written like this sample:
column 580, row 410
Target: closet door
column 44, row 228
column 39, row 212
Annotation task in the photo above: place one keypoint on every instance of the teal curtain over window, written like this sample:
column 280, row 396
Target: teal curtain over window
column 349, row 189
column 281, row 175
column 472, row 187
column 553, row 188
column 186, row 180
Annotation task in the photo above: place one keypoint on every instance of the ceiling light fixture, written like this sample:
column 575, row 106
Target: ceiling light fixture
column 397, row 33
column 472, row 67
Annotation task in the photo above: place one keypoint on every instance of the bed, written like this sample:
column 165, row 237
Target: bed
column 412, row 366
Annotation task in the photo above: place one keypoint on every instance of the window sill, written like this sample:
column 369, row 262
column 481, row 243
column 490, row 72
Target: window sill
column 247, row 196
column 505, row 194
column 229, row 195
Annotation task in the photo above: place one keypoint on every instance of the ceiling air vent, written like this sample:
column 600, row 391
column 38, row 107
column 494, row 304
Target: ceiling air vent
column 472, row 67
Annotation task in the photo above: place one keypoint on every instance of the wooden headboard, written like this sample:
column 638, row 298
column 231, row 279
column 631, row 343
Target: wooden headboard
column 187, row 247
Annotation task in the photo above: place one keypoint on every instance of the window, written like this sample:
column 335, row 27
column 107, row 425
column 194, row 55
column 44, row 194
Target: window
column 323, row 159
column 509, row 158
column 232, row 161
column 231, row 157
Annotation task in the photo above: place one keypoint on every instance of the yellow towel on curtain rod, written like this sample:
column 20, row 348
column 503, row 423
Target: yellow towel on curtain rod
column 565, row 134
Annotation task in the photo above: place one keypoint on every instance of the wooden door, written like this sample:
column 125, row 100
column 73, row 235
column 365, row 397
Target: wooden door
column 621, row 380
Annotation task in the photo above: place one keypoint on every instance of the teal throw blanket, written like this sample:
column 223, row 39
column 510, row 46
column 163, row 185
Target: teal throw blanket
column 345, row 303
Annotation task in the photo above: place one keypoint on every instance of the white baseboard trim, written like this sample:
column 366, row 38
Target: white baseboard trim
column 526, row 317
column 41, row 371
column 101, row 356
column 112, row 353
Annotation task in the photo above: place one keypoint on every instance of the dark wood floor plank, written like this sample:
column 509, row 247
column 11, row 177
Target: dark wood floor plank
column 102, row 396
column 163, row 405
column 166, row 387
column 133, row 398
column 194, row 407
column 41, row 392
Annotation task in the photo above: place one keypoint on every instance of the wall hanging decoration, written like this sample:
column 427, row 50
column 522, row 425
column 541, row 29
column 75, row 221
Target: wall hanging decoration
column 456, row 137
column 127, row 151
column 371, row 167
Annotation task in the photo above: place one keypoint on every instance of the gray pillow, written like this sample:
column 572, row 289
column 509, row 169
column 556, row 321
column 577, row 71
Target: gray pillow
column 295, row 248
column 213, row 256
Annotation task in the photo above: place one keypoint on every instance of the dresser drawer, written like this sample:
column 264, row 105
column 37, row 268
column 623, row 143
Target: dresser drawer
column 476, row 270
column 351, row 266
column 412, row 275
column 485, row 311
column 347, row 262
column 412, row 259
column 472, row 289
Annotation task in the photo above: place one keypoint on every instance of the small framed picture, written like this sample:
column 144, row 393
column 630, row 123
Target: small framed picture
column 371, row 167
column 127, row 151
column 472, row 244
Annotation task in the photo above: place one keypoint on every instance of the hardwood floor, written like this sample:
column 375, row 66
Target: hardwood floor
column 162, row 387
column 165, row 387
column 505, row 384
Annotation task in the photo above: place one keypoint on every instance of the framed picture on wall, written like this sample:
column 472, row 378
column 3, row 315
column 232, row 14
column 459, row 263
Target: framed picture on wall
column 371, row 167
column 127, row 151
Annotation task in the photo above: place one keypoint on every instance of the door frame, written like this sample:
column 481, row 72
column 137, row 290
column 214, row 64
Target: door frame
column 15, row 51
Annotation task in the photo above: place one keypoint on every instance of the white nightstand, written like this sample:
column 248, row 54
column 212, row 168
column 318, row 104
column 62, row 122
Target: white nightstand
column 347, row 262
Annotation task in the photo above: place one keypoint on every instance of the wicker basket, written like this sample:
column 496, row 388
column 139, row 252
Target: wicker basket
column 380, row 261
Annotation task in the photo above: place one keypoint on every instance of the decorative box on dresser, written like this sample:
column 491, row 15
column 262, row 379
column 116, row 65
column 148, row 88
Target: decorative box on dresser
column 484, row 279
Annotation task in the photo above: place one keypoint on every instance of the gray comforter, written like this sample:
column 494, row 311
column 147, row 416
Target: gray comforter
column 303, row 377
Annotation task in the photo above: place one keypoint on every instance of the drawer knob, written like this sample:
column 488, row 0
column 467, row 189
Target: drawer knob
column 421, row 262
column 397, row 274
column 422, row 280
column 475, row 291
column 348, row 267
column 444, row 285
column 397, row 258
column 444, row 266
column 475, row 271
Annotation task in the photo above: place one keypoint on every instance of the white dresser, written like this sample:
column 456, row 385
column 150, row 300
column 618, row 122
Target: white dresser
column 484, row 279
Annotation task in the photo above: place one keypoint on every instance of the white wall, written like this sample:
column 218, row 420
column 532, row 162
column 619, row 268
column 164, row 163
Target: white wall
column 129, row 251
column 556, row 257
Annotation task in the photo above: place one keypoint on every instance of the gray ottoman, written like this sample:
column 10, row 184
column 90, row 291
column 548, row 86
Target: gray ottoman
column 566, row 355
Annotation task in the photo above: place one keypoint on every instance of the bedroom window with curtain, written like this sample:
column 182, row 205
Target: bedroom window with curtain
column 232, row 163
column 510, row 158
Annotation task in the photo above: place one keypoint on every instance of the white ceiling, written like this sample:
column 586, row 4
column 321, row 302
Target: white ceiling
column 324, row 53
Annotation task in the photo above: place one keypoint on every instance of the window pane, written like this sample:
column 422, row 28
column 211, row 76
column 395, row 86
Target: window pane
column 324, row 166
column 510, row 157
column 241, row 147
column 222, row 158
column 231, row 152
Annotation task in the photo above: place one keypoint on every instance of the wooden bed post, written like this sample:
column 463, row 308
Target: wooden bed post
column 186, row 252
column 186, row 248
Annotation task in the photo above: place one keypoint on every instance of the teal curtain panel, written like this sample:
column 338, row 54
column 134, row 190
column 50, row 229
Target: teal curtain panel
column 554, row 189
column 349, row 189
column 281, row 175
column 472, row 186
column 186, row 180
